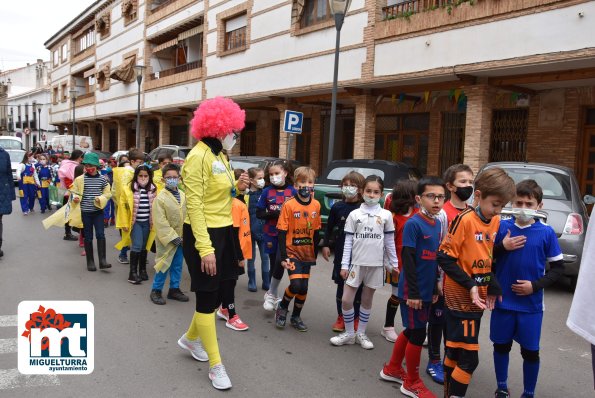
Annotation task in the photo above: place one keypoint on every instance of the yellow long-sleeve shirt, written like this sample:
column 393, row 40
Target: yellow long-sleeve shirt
column 208, row 181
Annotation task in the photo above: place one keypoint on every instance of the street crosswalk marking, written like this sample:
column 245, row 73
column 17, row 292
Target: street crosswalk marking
column 8, row 320
column 8, row 346
column 12, row 378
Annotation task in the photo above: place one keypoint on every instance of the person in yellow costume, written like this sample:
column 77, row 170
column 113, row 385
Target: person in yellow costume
column 169, row 213
column 157, row 172
column 209, row 244
column 135, row 208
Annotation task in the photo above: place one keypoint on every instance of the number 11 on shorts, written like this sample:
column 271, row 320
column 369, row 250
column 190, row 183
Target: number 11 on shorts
column 468, row 323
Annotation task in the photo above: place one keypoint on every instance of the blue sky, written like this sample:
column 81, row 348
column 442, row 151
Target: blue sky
column 26, row 24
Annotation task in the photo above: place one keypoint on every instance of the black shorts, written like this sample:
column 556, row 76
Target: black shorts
column 298, row 269
column 462, row 332
column 223, row 242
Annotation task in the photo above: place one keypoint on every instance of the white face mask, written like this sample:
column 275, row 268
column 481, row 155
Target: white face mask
column 229, row 141
column 426, row 212
column 349, row 191
column 371, row 201
column 260, row 183
column 525, row 215
column 277, row 180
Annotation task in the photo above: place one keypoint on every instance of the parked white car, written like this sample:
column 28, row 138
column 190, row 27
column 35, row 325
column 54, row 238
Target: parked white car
column 16, row 157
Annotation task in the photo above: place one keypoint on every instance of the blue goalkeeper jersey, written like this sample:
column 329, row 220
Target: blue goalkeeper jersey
column 527, row 263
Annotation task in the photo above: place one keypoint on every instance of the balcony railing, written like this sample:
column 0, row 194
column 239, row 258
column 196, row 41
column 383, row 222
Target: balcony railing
column 406, row 8
column 177, row 69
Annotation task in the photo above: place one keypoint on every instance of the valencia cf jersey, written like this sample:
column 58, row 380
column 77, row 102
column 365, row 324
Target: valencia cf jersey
column 300, row 221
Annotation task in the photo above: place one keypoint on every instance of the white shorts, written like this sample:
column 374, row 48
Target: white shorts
column 372, row 277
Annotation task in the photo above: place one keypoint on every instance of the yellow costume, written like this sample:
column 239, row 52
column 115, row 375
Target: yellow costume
column 168, row 221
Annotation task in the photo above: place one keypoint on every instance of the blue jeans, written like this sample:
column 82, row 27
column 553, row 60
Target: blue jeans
column 93, row 220
column 139, row 235
column 264, row 258
column 175, row 272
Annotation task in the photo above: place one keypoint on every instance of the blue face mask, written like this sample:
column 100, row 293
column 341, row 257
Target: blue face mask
column 172, row 182
column 305, row 192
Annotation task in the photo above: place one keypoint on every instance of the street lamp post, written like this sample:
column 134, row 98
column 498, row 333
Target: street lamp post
column 139, row 78
column 73, row 99
column 338, row 10
column 38, row 122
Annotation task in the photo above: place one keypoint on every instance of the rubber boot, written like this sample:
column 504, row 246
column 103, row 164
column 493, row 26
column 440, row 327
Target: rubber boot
column 133, row 276
column 251, row 278
column 101, row 251
column 142, row 266
column 90, row 256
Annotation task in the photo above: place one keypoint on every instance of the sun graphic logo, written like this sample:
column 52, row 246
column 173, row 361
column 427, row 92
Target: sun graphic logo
column 56, row 337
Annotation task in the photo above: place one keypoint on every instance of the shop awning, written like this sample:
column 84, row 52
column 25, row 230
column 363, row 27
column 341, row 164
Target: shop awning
column 125, row 72
column 189, row 33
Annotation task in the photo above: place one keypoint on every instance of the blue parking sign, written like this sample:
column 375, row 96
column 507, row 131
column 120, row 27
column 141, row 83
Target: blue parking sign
column 293, row 122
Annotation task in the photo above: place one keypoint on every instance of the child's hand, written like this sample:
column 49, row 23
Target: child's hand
column 326, row 253
column 513, row 243
column 441, row 288
column 241, row 264
column 125, row 229
column 475, row 299
column 491, row 301
column 414, row 304
column 76, row 199
column 97, row 201
column 395, row 274
column 344, row 274
column 522, row 288
column 435, row 298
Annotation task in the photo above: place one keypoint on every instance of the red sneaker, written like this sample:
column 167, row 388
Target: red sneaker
column 417, row 389
column 394, row 375
column 236, row 323
column 339, row 325
column 223, row 313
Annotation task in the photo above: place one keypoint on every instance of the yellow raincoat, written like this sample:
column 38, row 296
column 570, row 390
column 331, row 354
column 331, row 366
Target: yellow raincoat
column 168, row 220
column 122, row 178
column 71, row 213
column 158, row 180
column 125, row 212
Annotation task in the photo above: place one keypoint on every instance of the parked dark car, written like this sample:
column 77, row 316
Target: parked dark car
column 102, row 154
column 562, row 203
column 178, row 153
column 327, row 190
column 263, row 162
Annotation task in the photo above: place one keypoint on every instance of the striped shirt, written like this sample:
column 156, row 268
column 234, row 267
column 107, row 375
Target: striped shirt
column 93, row 187
column 176, row 193
column 144, row 208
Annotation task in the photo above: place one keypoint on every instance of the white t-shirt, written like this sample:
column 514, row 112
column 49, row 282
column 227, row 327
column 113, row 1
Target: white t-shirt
column 581, row 319
column 368, row 227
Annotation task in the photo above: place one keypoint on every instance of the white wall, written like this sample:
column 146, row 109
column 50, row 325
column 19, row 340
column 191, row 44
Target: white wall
column 167, row 23
column 539, row 33
column 172, row 96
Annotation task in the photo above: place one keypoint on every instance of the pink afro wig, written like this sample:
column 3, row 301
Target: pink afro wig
column 217, row 117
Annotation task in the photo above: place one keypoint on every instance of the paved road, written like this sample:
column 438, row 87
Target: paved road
column 137, row 354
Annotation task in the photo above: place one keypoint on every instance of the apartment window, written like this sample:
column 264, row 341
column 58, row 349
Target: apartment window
column 129, row 10
column 86, row 40
column 55, row 95
column 102, row 24
column 235, row 32
column 64, row 92
column 56, row 57
column 64, row 52
column 315, row 11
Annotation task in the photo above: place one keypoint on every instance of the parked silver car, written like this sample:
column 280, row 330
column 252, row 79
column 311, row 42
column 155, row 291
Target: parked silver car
column 562, row 203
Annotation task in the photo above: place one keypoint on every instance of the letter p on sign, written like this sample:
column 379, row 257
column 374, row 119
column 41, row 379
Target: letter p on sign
column 293, row 122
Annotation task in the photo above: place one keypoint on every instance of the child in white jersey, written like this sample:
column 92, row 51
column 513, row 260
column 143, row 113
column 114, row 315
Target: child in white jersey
column 369, row 237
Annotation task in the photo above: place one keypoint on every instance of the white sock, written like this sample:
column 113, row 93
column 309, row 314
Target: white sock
column 348, row 318
column 364, row 316
column 274, row 287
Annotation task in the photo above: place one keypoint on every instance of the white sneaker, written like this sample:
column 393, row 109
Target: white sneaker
column 343, row 339
column 364, row 341
column 426, row 342
column 219, row 377
column 195, row 347
column 389, row 333
column 270, row 302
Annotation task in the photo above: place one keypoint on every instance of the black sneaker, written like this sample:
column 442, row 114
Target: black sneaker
column 156, row 297
column 176, row 294
column 70, row 237
column 298, row 324
column 502, row 393
column 280, row 317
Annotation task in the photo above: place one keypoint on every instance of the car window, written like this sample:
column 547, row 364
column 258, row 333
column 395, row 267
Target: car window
column 244, row 164
column 554, row 185
column 16, row 156
column 10, row 144
column 338, row 173
column 182, row 153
